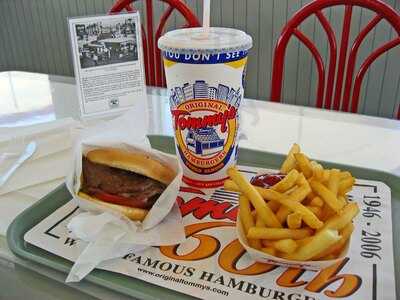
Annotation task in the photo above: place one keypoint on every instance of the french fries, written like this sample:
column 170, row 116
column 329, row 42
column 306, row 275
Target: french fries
column 327, row 212
column 346, row 185
column 267, row 243
column 308, row 216
column 287, row 246
column 286, row 183
column 345, row 216
column 317, row 211
column 301, row 180
column 345, row 234
column 304, row 164
column 319, row 243
column 293, row 220
column 325, row 176
column 265, row 193
column 342, row 200
column 317, row 201
column 305, row 216
column 266, row 214
column 310, row 197
column 333, row 182
column 327, row 195
column 304, row 241
column 296, row 196
column 318, row 170
column 290, row 162
column 269, row 250
column 247, row 219
column 278, row 233
column 259, row 222
column 345, row 174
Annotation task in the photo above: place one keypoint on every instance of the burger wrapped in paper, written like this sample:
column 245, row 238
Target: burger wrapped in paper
column 130, row 180
column 126, row 182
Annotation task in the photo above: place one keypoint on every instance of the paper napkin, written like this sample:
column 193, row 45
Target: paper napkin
column 109, row 234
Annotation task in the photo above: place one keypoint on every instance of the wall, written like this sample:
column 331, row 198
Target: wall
column 34, row 37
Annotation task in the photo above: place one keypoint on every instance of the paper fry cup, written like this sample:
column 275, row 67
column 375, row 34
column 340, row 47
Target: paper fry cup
column 263, row 257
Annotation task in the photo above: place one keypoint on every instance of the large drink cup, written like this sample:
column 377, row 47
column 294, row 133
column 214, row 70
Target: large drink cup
column 205, row 72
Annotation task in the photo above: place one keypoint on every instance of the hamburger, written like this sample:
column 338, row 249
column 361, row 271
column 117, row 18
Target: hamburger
column 129, row 183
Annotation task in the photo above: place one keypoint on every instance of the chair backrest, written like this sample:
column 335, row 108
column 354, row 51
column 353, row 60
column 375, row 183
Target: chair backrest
column 331, row 93
column 152, row 56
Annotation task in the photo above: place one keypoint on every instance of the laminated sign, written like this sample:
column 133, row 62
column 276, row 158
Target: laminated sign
column 108, row 63
column 212, row 264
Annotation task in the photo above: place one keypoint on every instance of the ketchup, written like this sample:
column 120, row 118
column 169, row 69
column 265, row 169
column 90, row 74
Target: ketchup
column 266, row 180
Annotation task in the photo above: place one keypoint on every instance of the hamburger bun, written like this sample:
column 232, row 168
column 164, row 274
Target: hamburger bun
column 135, row 214
column 141, row 164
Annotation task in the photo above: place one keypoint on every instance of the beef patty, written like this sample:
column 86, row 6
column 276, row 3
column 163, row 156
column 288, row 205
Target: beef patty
column 143, row 191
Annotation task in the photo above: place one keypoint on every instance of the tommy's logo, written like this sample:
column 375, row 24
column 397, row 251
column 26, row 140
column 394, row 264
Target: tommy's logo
column 205, row 121
column 183, row 119
column 201, row 208
column 202, row 138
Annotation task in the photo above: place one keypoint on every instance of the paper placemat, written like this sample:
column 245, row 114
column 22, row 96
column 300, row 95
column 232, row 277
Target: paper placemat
column 211, row 264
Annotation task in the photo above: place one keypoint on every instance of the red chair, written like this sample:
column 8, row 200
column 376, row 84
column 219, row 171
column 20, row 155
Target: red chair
column 398, row 113
column 330, row 97
column 152, row 57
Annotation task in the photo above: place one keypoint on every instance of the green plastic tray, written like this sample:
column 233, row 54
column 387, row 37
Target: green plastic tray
column 141, row 289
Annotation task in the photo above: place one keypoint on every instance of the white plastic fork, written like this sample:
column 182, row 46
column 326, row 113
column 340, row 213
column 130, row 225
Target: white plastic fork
column 28, row 152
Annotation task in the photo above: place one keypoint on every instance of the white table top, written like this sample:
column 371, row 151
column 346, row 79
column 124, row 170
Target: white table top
column 370, row 142
column 364, row 141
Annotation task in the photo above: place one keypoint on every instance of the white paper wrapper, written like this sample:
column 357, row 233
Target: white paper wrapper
column 109, row 233
column 263, row 257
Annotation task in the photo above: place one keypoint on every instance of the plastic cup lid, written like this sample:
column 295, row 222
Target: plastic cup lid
column 198, row 39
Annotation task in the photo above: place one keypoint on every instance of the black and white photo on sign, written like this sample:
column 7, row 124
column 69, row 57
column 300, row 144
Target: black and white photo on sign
column 106, row 42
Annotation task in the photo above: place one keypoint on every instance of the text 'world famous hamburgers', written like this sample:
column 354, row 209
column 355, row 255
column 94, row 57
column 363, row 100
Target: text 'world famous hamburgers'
column 129, row 183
